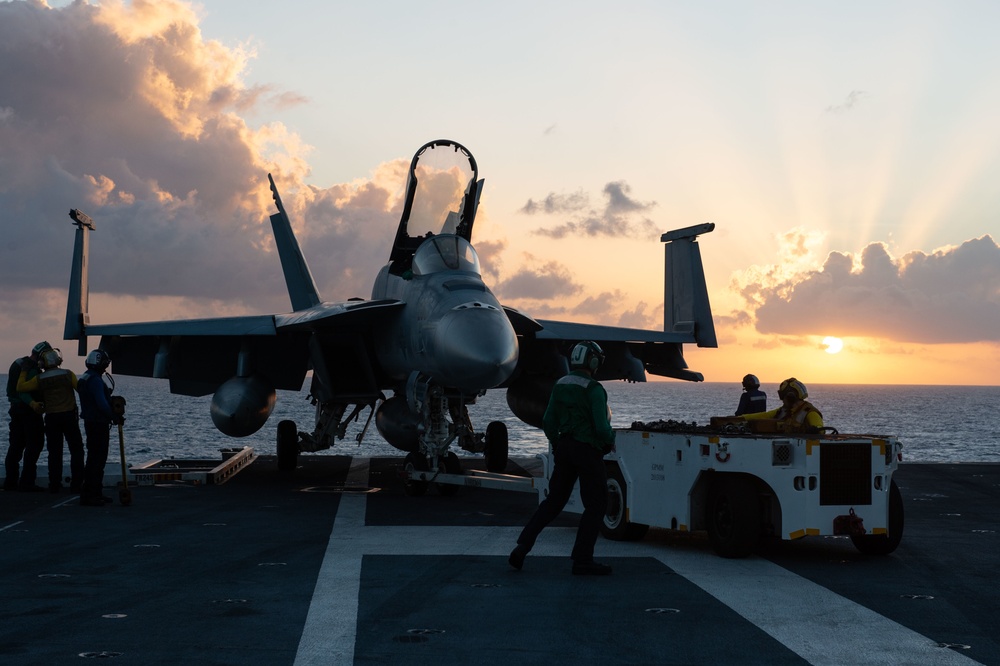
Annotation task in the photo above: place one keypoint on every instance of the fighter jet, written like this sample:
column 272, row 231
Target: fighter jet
column 430, row 341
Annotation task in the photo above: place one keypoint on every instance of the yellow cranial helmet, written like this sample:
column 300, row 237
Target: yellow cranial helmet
column 50, row 358
column 793, row 387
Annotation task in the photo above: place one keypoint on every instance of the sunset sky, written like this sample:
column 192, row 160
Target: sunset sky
column 848, row 153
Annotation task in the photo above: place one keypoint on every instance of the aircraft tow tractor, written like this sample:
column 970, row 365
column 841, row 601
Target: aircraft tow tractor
column 737, row 480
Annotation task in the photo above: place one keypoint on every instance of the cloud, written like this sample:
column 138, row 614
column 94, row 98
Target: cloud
column 854, row 98
column 736, row 319
column 951, row 295
column 287, row 100
column 554, row 204
column 126, row 111
column 606, row 307
column 548, row 290
column 491, row 257
column 615, row 219
column 550, row 281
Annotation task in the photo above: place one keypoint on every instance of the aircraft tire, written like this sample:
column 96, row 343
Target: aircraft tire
column 415, row 462
column 496, row 452
column 616, row 525
column 451, row 466
column 733, row 517
column 288, row 446
column 883, row 544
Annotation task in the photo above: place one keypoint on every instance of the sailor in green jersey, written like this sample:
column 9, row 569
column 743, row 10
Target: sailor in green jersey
column 577, row 423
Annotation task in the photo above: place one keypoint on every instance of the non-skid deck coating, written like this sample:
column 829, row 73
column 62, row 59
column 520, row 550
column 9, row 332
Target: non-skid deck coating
column 286, row 568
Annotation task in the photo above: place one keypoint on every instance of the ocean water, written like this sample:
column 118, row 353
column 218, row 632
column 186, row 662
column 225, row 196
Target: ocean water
column 935, row 423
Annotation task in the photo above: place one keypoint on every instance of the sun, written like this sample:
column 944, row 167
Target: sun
column 833, row 345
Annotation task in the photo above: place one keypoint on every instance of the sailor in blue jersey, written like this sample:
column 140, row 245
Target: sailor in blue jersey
column 753, row 399
column 578, row 427
column 95, row 410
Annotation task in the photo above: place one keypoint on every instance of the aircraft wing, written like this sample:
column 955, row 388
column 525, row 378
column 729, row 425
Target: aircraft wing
column 355, row 313
column 631, row 352
column 564, row 330
column 252, row 325
column 199, row 355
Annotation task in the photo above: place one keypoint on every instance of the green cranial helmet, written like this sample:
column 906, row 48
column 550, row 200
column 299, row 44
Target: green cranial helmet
column 587, row 355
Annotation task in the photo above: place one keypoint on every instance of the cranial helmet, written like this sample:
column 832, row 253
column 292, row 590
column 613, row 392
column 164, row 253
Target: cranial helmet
column 98, row 360
column 751, row 382
column 41, row 347
column 587, row 355
column 793, row 387
column 50, row 358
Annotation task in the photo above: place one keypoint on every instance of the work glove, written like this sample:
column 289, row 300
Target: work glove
column 38, row 407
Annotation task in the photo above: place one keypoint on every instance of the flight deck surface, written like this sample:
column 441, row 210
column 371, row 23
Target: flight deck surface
column 333, row 564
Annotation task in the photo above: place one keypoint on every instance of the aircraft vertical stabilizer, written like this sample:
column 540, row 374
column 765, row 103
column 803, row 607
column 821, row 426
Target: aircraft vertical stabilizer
column 77, row 303
column 686, row 308
column 298, row 278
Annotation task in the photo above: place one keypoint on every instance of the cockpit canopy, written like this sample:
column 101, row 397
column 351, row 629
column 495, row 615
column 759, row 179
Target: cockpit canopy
column 442, row 194
column 445, row 252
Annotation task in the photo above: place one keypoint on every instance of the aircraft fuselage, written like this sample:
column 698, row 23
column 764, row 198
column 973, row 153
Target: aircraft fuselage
column 452, row 329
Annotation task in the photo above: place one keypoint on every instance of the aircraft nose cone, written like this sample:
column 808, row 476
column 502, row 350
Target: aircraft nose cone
column 479, row 345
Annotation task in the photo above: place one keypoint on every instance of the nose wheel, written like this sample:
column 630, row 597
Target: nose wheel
column 414, row 462
column 450, row 465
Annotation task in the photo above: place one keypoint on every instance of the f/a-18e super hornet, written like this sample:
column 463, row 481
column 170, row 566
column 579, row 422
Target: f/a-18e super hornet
column 431, row 340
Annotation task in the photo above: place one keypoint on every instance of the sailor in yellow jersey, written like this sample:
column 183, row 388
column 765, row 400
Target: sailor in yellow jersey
column 795, row 414
column 62, row 419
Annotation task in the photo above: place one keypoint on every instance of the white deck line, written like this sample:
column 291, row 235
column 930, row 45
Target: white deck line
column 815, row 623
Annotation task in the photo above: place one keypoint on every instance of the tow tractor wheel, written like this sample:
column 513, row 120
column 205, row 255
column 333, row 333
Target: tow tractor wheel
column 288, row 446
column 451, row 466
column 616, row 525
column 496, row 447
column 883, row 544
column 733, row 518
column 414, row 462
